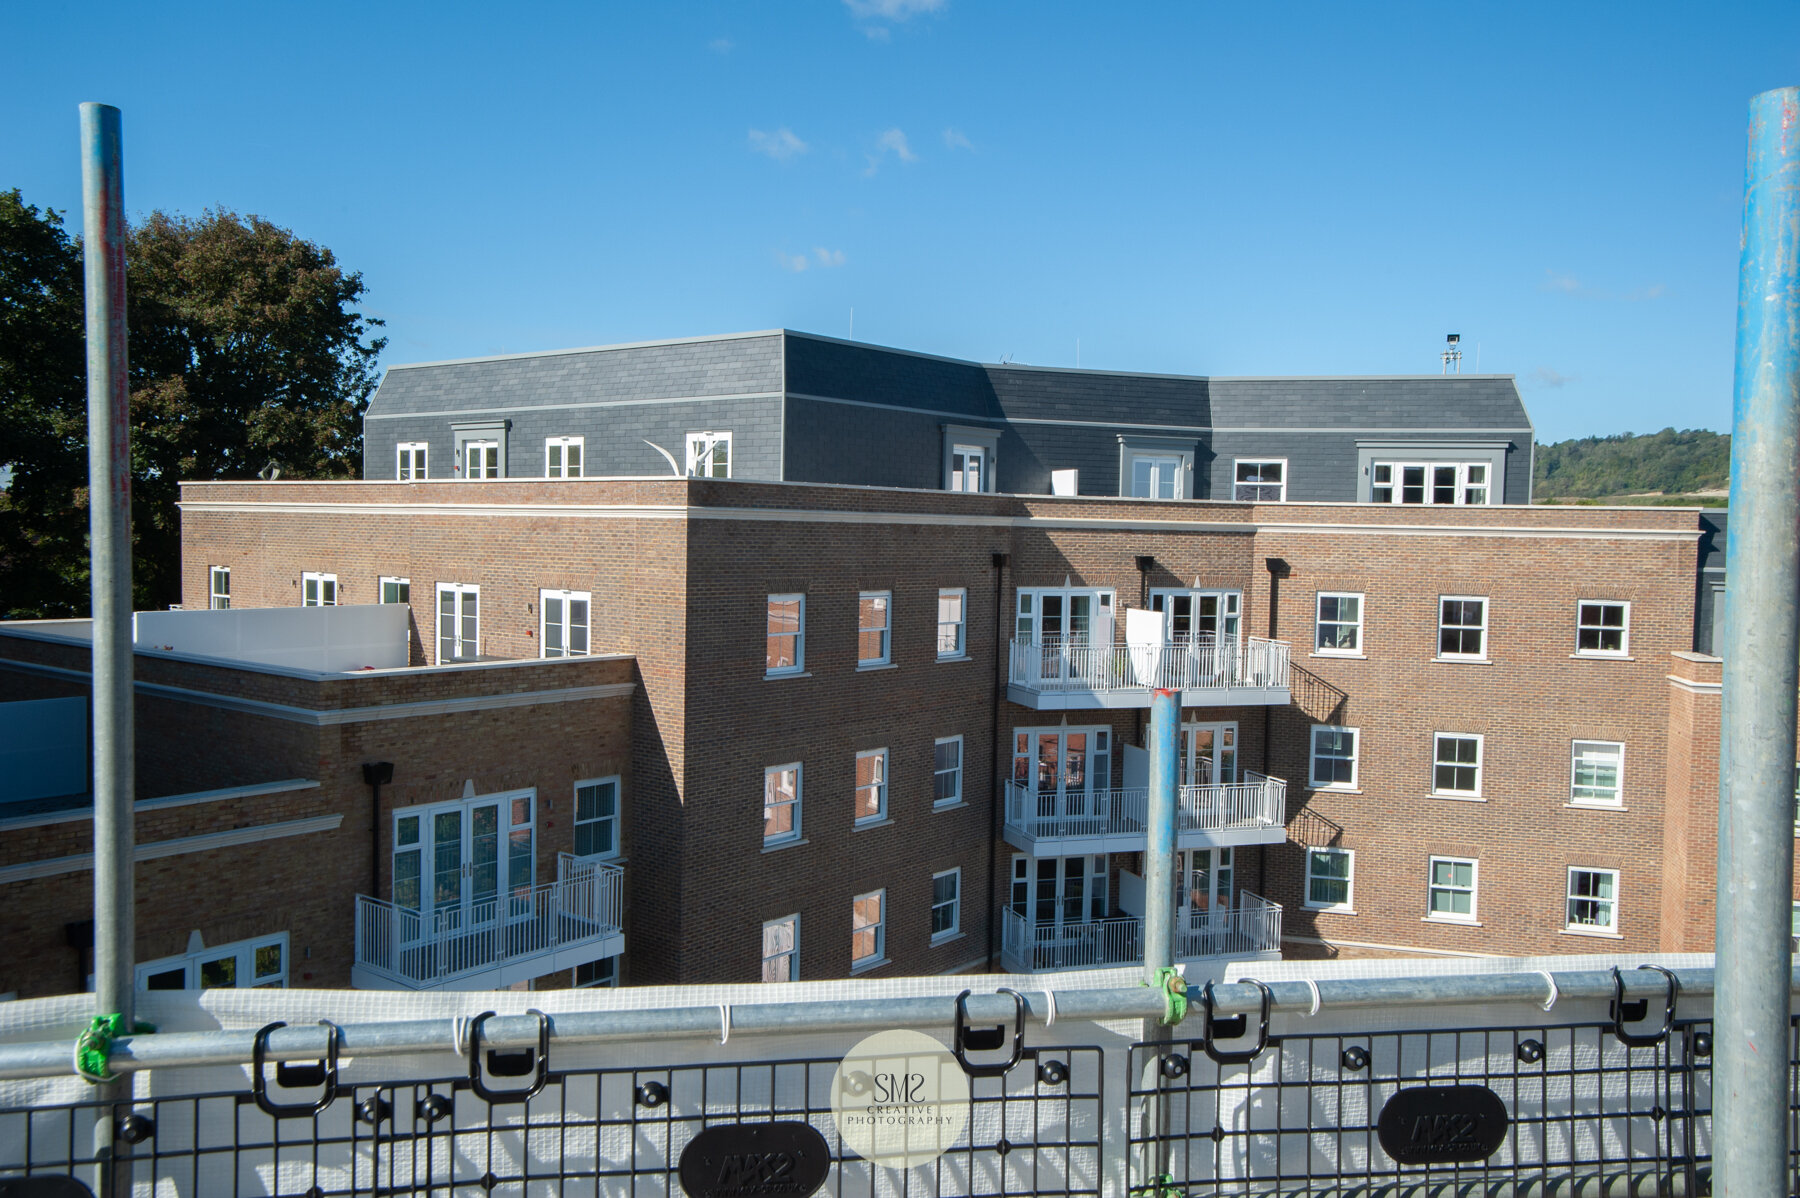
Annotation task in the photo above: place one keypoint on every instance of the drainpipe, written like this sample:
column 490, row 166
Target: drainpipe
column 995, row 903
column 376, row 774
column 1756, row 750
column 1278, row 570
column 1145, row 564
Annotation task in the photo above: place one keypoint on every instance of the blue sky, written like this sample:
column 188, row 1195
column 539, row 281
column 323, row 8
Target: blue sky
column 1194, row 187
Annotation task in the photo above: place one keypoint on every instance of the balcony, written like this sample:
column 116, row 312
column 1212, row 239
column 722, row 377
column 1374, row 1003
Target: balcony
column 1251, row 930
column 487, row 945
column 1057, row 674
column 1253, row 811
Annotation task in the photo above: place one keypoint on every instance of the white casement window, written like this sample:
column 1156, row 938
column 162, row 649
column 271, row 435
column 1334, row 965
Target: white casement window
column 218, row 588
column 318, row 590
column 786, row 636
column 597, row 817
column 1597, row 772
column 1260, row 480
column 458, row 622
column 781, row 949
column 1462, row 628
column 563, row 623
column 395, row 590
column 1456, row 764
column 1431, row 483
column 709, row 455
column 1451, row 889
column 868, row 931
column 1338, row 630
column 952, row 623
column 871, row 785
column 594, row 975
column 781, row 803
column 1064, row 616
column 1593, row 900
column 562, row 457
column 481, row 460
column 970, row 468
column 1330, row 879
column 947, row 768
column 260, row 963
column 1156, row 476
column 946, row 905
column 873, row 619
column 1602, row 628
column 1334, row 756
column 411, row 464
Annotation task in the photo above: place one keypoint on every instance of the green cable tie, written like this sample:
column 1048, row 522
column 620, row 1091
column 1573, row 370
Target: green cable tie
column 94, row 1046
column 1174, row 992
column 1163, row 1186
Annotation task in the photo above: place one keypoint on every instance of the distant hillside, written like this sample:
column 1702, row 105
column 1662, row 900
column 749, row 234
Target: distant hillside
column 1674, row 463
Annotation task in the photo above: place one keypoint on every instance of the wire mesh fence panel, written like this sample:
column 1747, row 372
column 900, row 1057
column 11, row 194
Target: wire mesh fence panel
column 1037, row 1130
column 1569, row 1108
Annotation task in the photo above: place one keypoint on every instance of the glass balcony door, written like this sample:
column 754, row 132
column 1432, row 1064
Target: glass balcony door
column 450, row 867
column 1066, row 769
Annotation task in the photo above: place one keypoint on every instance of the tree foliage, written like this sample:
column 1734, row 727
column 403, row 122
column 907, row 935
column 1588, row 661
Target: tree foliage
column 1674, row 463
column 247, row 352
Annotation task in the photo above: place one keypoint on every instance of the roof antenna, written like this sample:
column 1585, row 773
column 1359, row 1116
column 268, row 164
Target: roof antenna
column 1452, row 354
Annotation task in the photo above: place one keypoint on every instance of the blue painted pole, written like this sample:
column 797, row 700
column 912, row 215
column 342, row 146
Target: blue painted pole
column 1762, row 636
column 1159, row 857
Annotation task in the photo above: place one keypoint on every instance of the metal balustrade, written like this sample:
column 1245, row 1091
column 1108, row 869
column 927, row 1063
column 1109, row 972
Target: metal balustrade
column 1250, row 929
column 525, row 933
column 1069, row 672
column 1114, row 820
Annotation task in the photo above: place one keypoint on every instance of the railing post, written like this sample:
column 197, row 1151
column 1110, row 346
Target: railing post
column 1756, row 765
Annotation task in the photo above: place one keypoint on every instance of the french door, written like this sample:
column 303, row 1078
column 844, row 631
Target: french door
column 459, row 621
column 459, row 864
column 1066, row 768
column 1058, row 893
column 1208, row 754
column 1206, row 883
column 1191, row 615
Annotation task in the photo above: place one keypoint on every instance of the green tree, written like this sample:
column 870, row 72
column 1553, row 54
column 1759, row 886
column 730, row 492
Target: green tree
column 247, row 352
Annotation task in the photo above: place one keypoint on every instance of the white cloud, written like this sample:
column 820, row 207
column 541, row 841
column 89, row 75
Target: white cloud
column 891, row 141
column 955, row 140
column 829, row 257
column 780, row 145
column 1554, row 281
column 1544, row 376
column 720, row 45
column 892, row 10
column 793, row 262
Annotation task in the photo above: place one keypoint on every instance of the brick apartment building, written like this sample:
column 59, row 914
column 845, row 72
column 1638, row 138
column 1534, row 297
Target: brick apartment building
column 899, row 729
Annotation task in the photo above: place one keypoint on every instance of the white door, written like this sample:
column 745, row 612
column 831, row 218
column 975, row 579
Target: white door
column 1208, row 754
column 459, row 622
column 455, row 862
column 1066, row 769
column 1205, row 883
column 1059, row 892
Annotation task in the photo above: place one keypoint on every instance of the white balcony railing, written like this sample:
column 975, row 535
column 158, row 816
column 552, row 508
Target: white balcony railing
column 462, row 942
column 1201, row 812
column 1252, row 927
column 1060, row 665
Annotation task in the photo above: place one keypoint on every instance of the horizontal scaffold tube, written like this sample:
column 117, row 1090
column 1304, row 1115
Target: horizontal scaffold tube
column 305, row 1043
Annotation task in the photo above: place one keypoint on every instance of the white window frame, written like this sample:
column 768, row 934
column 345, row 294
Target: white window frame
column 566, row 625
column 1394, row 481
column 480, row 445
column 954, row 903
column 1624, row 631
column 883, row 602
column 878, row 956
column 792, row 952
column 459, row 589
column 217, row 599
column 1169, row 465
column 878, row 785
column 798, row 666
column 956, row 773
column 1570, row 898
column 386, row 580
column 1575, row 759
column 1486, row 620
column 556, row 457
column 703, row 453
column 245, row 969
column 1473, row 890
column 1320, row 623
column 1238, row 482
column 1349, row 880
column 958, row 628
column 1437, row 761
column 960, row 458
column 793, row 805
column 323, row 589
column 1314, row 757
column 411, row 460
column 576, row 823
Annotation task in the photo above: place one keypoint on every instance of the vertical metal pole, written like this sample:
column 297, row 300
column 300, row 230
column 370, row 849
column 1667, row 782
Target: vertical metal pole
column 1756, row 766
column 109, row 523
column 1159, row 903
